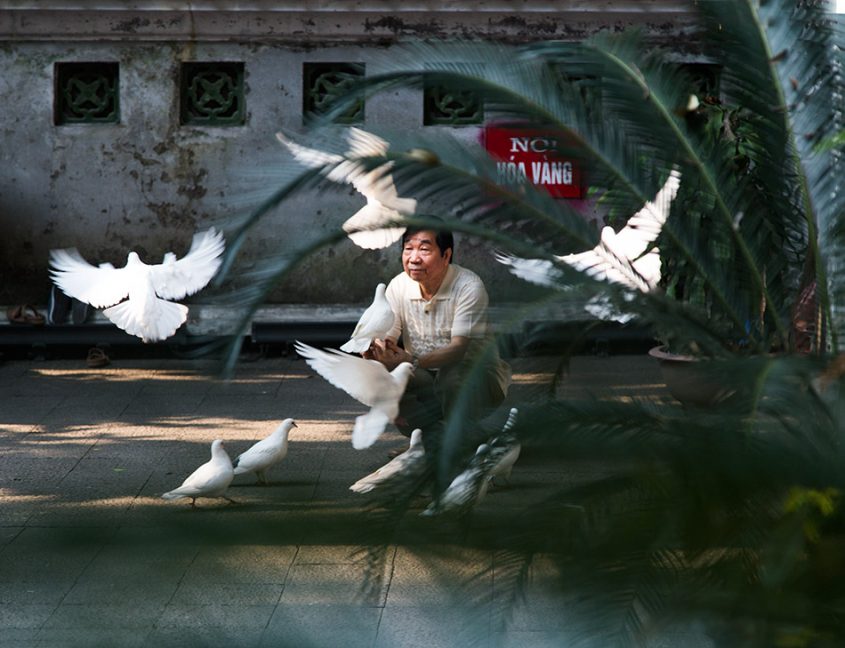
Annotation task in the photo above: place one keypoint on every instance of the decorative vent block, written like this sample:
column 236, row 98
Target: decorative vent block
column 212, row 94
column 450, row 106
column 323, row 83
column 86, row 93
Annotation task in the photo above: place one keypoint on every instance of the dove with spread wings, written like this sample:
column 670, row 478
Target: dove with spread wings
column 139, row 298
column 367, row 381
column 620, row 257
column 366, row 228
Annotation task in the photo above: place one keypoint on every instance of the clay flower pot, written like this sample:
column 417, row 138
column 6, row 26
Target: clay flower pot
column 688, row 379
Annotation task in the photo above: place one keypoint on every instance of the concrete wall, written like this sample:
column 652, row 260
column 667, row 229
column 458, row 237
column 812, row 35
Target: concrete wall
column 148, row 183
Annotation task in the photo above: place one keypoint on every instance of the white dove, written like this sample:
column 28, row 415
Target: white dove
column 409, row 462
column 467, row 488
column 375, row 322
column 492, row 459
column 384, row 206
column 618, row 258
column 267, row 452
column 506, row 448
column 148, row 313
column 209, row 480
column 368, row 381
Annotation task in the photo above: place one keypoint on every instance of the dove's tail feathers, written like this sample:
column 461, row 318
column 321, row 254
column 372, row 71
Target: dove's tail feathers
column 167, row 317
column 374, row 226
column 368, row 428
column 237, row 468
column 178, row 493
column 356, row 346
column 376, row 239
column 364, row 485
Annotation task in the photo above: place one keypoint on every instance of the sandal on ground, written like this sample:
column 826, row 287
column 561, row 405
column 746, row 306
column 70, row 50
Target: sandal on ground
column 25, row 314
column 96, row 358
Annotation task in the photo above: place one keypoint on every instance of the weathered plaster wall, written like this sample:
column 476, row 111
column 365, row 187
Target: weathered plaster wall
column 148, row 182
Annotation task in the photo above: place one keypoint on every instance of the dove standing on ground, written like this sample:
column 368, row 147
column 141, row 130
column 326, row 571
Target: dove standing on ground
column 493, row 459
column 149, row 311
column 209, row 480
column 506, row 448
column 618, row 258
column 368, row 381
column 265, row 453
column 375, row 322
column 467, row 488
column 410, row 462
column 384, row 206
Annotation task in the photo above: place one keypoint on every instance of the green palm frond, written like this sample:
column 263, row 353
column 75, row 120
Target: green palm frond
column 731, row 515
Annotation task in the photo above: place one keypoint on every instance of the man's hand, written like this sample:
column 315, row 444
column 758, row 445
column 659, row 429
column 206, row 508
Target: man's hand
column 388, row 353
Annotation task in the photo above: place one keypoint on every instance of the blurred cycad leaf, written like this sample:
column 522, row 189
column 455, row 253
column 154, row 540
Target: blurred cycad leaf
column 685, row 514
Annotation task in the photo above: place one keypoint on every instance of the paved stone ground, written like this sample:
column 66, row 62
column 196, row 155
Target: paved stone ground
column 91, row 556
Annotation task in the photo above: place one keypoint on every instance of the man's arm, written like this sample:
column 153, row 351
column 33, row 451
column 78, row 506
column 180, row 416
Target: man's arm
column 391, row 355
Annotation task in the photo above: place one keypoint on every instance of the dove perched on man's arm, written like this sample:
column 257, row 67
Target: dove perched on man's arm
column 375, row 322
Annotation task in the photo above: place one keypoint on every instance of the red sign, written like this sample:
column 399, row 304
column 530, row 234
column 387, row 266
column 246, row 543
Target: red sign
column 531, row 155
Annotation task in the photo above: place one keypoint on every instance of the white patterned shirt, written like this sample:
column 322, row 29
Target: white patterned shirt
column 458, row 309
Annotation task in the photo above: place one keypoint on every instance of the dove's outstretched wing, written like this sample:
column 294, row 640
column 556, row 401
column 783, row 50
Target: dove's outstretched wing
column 644, row 227
column 175, row 279
column 370, row 227
column 618, row 257
column 308, row 156
column 367, row 381
column 99, row 286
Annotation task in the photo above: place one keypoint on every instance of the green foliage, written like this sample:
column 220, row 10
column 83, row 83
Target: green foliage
column 727, row 517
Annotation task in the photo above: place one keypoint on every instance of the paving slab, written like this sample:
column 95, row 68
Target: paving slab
column 91, row 555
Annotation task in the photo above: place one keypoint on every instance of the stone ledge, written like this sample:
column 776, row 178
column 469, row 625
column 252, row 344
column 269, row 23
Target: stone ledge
column 312, row 23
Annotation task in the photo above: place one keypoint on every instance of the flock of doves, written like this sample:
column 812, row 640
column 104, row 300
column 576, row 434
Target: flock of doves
column 141, row 300
column 492, row 459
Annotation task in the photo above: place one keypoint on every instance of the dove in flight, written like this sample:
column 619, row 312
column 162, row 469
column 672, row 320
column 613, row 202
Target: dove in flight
column 209, row 480
column 384, row 206
column 265, row 453
column 367, row 381
column 376, row 321
column 410, row 462
column 150, row 311
column 619, row 257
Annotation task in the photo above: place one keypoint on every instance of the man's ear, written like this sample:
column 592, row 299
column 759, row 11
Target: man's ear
column 448, row 255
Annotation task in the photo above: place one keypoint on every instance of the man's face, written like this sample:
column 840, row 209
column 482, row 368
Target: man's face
column 421, row 257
